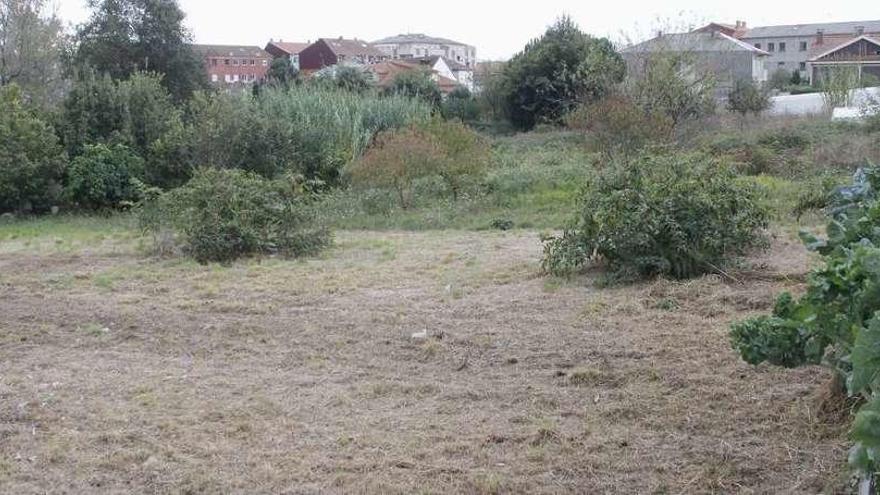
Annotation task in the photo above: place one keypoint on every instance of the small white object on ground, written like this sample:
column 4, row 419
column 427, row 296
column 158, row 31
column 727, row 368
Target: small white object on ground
column 420, row 335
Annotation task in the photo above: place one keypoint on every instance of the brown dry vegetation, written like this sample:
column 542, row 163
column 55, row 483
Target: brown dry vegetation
column 120, row 373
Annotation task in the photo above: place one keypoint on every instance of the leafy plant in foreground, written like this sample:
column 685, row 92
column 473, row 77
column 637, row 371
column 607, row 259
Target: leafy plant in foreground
column 837, row 321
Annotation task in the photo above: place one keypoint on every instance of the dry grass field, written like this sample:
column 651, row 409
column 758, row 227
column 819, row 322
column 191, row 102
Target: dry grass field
column 123, row 373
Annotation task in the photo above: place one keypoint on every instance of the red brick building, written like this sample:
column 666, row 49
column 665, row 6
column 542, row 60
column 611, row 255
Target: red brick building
column 326, row 52
column 232, row 65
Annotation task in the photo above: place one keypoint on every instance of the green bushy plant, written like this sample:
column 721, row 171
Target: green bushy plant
column 837, row 321
column 222, row 215
column 31, row 160
column 676, row 215
column 105, row 177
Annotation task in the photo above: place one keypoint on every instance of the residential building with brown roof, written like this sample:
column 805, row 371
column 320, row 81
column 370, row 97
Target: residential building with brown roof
column 791, row 47
column 331, row 51
column 385, row 73
column 230, row 65
column 286, row 49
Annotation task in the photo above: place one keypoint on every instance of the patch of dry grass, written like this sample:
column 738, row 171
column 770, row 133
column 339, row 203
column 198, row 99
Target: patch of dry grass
column 272, row 376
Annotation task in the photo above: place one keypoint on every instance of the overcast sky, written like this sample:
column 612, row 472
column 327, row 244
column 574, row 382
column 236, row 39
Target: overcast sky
column 498, row 29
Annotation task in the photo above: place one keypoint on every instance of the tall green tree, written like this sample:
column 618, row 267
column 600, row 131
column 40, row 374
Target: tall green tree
column 31, row 44
column 556, row 72
column 31, row 160
column 127, row 36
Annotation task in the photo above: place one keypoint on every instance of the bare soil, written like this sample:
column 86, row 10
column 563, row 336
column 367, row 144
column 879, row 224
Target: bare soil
column 121, row 373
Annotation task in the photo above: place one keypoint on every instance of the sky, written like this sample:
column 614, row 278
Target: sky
column 497, row 29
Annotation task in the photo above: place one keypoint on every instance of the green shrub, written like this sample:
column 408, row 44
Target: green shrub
column 31, row 160
column 837, row 321
column 672, row 215
column 105, row 177
column 221, row 215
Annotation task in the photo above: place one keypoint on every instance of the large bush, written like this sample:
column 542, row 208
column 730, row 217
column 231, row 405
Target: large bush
column 555, row 73
column 672, row 215
column 31, row 160
column 837, row 321
column 221, row 215
column 105, row 177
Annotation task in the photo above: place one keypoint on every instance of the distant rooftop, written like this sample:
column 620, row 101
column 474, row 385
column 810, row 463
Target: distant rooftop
column 416, row 38
column 811, row 29
column 230, row 51
column 291, row 48
column 349, row 47
column 697, row 41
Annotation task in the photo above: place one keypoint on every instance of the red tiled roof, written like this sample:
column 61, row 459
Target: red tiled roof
column 386, row 72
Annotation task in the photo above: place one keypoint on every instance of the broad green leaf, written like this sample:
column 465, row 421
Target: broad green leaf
column 866, row 428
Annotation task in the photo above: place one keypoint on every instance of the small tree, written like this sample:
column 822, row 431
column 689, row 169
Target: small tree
column 31, row 160
column 796, row 77
column 416, row 83
column 396, row 159
column 747, row 97
column 672, row 84
column 463, row 154
column 838, row 84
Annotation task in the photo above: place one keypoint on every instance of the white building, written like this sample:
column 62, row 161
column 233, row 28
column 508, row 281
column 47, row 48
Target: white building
column 405, row 46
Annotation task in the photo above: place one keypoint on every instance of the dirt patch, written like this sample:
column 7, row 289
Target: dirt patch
column 125, row 374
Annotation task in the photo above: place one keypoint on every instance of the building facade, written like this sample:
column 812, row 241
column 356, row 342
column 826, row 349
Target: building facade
column 406, row 46
column 861, row 54
column 231, row 65
column 791, row 47
column 327, row 52
column 706, row 52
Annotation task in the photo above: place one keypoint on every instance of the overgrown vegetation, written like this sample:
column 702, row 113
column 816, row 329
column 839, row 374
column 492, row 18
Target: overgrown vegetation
column 675, row 215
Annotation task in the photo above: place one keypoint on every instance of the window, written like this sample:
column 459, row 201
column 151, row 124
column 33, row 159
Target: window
column 803, row 46
column 781, row 47
column 781, row 65
column 235, row 61
column 226, row 62
column 771, row 47
column 253, row 62
column 758, row 46
column 265, row 63
column 803, row 66
column 214, row 62
column 228, row 78
column 214, row 78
